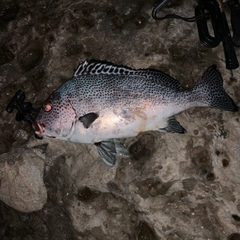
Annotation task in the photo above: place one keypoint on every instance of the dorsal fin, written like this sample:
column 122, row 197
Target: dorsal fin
column 94, row 67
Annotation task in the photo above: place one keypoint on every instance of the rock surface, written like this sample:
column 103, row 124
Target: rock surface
column 21, row 175
column 173, row 186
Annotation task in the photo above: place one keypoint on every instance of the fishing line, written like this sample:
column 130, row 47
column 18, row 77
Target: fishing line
column 161, row 4
column 175, row 16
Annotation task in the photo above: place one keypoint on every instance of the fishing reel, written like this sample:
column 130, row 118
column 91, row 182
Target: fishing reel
column 25, row 111
column 220, row 28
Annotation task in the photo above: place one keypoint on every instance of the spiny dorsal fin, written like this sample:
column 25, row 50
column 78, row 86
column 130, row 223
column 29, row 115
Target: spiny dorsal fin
column 94, row 67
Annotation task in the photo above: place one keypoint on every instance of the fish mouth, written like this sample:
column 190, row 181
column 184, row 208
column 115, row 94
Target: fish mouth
column 38, row 127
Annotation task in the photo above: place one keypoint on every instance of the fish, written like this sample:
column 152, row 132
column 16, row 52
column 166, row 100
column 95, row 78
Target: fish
column 103, row 103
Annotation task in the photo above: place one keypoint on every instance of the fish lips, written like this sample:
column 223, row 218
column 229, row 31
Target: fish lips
column 38, row 127
column 39, row 130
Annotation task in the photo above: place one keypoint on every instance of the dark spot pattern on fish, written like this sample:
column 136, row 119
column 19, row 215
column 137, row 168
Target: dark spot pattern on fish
column 94, row 67
column 125, row 102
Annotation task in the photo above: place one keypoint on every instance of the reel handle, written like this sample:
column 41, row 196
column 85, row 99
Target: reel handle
column 228, row 46
column 234, row 6
column 16, row 102
column 220, row 29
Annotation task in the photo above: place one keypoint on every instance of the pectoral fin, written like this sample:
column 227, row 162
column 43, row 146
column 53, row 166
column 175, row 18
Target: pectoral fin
column 88, row 119
column 173, row 126
column 109, row 149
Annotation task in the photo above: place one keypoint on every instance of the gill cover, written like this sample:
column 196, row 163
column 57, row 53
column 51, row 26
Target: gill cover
column 56, row 118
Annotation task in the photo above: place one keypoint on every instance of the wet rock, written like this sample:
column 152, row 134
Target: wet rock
column 30, row 56
column 51, row 222
column 128, row 10
column 86, row 194
column 225, row 162
column 195, row 132
column 73, row 49
column 123, row 13
column 145, row 232
column 140, row 22
column 189, row 184
column 174, row 236
column 102, row 217
column 114, row 188
column 73, row 28
column 210, row 177
column 87, row 9
column 21, row 175
column 207, row 220
column 234, row 236
column 88, row 23
column 151, row 188
column 118, row 21
column 236, row 217
column 177, row 196
column 36, row 78
column 8, row 10
column 202, row 161
column 40, row 150
column 8, row 73
column 5, row 55
column 143, row 148
column 7, row 138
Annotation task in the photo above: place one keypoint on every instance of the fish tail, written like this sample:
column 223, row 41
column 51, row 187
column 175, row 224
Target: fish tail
column 209, row 90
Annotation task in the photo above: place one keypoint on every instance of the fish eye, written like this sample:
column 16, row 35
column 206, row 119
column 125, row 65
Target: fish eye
column 47, row 106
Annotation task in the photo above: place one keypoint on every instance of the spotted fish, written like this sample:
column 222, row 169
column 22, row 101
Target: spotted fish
column 103, row 103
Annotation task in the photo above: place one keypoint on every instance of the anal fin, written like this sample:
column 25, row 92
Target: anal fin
column 173, row 126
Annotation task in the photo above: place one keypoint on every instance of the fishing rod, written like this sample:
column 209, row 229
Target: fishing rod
column 212, row 10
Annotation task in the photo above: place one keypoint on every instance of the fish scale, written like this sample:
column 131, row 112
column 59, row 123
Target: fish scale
column 104, row 102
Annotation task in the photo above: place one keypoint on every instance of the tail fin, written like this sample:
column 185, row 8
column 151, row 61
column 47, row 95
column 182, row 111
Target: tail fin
column 211, row 92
